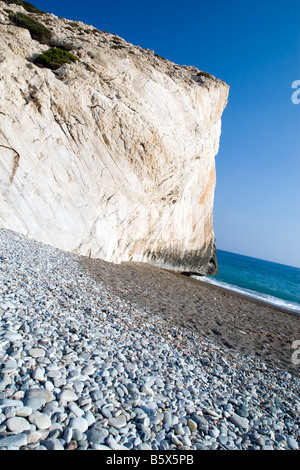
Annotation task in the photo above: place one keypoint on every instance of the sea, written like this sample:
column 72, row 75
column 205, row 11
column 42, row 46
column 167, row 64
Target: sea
column 274, row 283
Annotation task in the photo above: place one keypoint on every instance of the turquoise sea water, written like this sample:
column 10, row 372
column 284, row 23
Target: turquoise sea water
column 270, row 282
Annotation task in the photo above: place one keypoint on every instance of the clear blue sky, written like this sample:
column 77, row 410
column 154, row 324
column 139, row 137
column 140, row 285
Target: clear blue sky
column 255, row 47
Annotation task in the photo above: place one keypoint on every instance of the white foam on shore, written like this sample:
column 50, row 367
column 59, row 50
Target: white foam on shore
column 249, row 293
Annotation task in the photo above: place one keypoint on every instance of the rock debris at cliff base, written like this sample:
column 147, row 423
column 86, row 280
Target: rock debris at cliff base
column 83, row 369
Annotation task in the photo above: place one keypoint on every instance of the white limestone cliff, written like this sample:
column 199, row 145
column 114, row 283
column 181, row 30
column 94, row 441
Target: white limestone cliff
column 111, row 157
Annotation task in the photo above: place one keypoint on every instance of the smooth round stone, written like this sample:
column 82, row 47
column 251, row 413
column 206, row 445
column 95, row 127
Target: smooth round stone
column 52, row 366
column 200, row 420
column 68, row 434
column 97, row 436
column 96, row 395
column 24, row 411
column 9, row 367
column 90, row 417
column 239, row 421
column 132, row 388
column 12, row 336
column 119, row 422
column 228, row 407
column 167, row 420
column 89, row 370
column 4, row 402
column 144, row 420
column 75, row 409
column 144, row 446
column 279, row 437
column 78, row 386
column 49, row 385
column 178, row 429
column 15, row 440
column 222, row 439
column 35, row 403
column 120, row 392
column 105, row 373
column 17, row 424
column 38, row 374
column 292, row 443
column 106, row 411
column 77, row 435
column 111, row 442
column 3, row 385
column 67, row 395
column 223, row 429
column 10, row 412
column 53, row 444
column 73, row 374
column 40, row 392
column 37, row 435
column 192, row 425
column 186, row 441
column 159, row 382
column 120, row 368
column 200, row 446
column 260, row 441
column 121, row 357
column 80, row 424
column 51, row 374
column 174, row 439
column 147, row 390
column 36, row 352
column 41, row 420
column 243, row 411
column 214, row 432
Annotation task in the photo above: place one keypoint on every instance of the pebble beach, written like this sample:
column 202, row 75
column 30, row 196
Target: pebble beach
column 83, row 367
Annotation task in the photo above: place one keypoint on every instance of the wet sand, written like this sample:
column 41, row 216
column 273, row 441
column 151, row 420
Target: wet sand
column 237, row 322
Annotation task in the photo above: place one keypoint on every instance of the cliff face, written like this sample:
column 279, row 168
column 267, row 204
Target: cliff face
column 110, row 157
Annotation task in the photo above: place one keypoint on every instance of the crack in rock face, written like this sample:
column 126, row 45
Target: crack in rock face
column 117, row 149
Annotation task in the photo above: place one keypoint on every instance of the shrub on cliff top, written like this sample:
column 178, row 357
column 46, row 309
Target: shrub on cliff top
column 37, row 30
column 55, row 57
column 26, row 5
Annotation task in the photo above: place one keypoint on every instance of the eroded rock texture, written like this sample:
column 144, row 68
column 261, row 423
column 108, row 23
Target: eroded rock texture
column 113, row 156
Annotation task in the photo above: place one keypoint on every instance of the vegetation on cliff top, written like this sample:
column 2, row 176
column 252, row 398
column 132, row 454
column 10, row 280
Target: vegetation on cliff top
column 37, row 30
column 55, row 57
column 26, row 5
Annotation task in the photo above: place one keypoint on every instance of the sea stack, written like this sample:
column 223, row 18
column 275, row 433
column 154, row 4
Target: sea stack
column 111, row 156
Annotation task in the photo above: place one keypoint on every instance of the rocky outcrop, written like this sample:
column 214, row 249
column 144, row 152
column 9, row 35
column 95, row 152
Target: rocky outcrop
column 112, row 157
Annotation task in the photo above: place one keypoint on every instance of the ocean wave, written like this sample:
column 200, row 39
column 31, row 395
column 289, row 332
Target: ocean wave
column 249, row 293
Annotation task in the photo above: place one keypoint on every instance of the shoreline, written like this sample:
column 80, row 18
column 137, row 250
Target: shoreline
column 259, row 301
column 254, row 297
column 241, row 323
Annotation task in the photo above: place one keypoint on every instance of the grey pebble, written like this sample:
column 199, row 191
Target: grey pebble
column 118, row 422
column 53, row 444
column 15, row 440
column 292, row 443
column 79, row 423
column 97, row 435
column 40, row 420
column 17, row 425
column 34, row 403
column 239, row 421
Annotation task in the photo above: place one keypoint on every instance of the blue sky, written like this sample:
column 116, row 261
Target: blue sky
column 255, row 47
